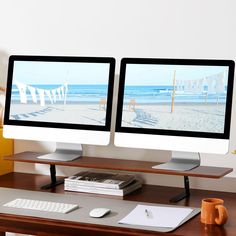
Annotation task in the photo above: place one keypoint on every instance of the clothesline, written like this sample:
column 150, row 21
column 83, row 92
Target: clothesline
column 38, row 94
column 215, row 84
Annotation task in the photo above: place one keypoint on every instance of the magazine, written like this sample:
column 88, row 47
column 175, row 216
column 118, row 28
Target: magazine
column 136, row 184
column 101, row 180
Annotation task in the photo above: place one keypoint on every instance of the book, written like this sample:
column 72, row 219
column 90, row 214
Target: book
column 134, row 185
column 101, row 180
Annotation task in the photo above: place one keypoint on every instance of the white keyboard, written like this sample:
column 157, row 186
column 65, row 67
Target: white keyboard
column 38, row 205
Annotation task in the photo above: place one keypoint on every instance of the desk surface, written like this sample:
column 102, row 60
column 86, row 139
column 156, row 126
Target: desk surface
column 151, row 194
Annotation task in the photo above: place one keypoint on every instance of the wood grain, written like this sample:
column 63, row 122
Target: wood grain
column 122, row 165
column 149, row 193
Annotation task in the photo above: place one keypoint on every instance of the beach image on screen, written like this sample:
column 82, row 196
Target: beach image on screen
column 175, row 97
column 60, row 92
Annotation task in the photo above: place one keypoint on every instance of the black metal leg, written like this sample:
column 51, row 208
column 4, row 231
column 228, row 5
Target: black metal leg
column 53, row 173
column 185, row 194
column 54, row 181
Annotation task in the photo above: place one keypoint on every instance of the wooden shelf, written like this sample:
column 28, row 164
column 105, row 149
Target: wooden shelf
column 122, row 165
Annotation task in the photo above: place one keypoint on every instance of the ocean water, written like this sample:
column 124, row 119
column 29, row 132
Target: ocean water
column 75, row 93
column 142, row 94
column 163, row 94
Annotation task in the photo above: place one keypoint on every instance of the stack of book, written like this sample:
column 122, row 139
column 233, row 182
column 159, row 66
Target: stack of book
column 102, row 183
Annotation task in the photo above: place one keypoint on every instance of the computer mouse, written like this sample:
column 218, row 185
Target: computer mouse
column 99, row 212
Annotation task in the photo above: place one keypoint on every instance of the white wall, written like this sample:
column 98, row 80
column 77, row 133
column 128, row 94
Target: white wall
column 124, row 28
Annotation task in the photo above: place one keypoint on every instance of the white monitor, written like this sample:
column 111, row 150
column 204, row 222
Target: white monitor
column 67, row 100
column 180, row 105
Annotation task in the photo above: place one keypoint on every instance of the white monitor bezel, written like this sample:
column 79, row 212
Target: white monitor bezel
column 59, row 132
column 173, row 140
column 94, row 137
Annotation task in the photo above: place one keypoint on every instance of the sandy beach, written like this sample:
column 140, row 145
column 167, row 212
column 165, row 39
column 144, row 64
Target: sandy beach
column 75, row 113
column 186, row 116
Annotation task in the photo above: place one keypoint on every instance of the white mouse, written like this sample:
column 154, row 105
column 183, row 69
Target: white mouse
column 99, row 212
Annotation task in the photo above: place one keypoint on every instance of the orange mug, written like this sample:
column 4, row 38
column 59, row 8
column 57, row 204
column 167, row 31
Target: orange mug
column 213, row 211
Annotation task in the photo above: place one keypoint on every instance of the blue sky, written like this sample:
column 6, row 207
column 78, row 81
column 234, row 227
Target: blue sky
column 138, row 74
column 31, row 72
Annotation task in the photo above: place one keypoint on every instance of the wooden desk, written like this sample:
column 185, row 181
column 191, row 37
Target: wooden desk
column 154, row 194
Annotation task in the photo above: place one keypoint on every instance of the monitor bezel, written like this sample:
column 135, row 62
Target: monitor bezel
column 203, row 62
column 72, row 126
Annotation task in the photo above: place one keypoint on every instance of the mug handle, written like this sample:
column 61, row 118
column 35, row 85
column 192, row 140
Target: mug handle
column 223, row 215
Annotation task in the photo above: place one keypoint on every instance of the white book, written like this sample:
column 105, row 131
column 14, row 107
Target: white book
column 136, row 184
column 101, row 180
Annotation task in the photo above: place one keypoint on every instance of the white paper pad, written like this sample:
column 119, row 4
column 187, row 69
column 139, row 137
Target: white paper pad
column 157, row 216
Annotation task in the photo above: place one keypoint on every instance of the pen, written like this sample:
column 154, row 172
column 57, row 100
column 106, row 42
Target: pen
column 147, row 213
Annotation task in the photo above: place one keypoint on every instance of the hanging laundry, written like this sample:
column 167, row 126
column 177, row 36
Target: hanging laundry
column 54, row 96
column 189, row 86
column 219, row 83
column 210, row 84
column 62, row 92
column 65, row 92
column 22, row 91
column 194, row 86
column 200, row 86
column 185, row 86
column 59, row 93
column 41, row 96
column 48, row 93
column 178, row 85
column 33, row 93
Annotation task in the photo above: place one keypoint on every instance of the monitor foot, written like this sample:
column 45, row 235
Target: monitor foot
column 181, row 161
column 64, row 152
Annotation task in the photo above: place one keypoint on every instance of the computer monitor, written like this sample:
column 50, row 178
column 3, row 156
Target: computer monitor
column 66, row 100
column 180, row 105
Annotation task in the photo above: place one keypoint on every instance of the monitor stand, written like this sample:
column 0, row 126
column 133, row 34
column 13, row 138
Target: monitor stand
column 64, row 152
column 181, row 161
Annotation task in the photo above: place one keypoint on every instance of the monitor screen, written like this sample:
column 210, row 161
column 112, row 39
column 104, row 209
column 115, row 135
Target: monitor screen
column 175, row 104
column 63, row 96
